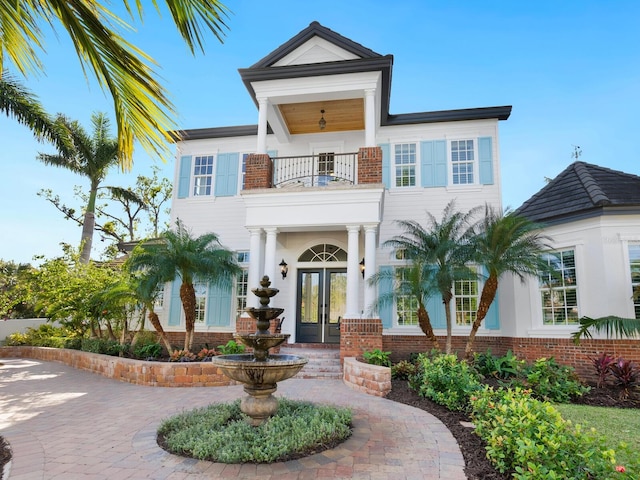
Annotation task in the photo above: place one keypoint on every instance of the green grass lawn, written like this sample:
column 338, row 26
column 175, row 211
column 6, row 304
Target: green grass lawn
column 615, row 424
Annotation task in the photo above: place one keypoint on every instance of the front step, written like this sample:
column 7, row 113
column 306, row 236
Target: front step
column 324, row 363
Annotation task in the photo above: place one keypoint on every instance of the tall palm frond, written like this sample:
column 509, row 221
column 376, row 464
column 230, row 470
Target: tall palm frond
column 610, row 325
column 143, row 111
column 19, row 103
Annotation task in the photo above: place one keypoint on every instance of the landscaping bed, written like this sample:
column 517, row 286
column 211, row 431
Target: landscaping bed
column 477, row 466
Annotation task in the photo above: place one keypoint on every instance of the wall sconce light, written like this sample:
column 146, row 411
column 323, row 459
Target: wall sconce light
column 362, row 267
column 322, row 123
column 284, row 269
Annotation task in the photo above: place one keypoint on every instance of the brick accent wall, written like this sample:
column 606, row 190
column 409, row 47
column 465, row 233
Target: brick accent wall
column 562, row 349
column 370, row 165
column 369, row 379
column 358, row 335
column 157, row 374
column 258, row 171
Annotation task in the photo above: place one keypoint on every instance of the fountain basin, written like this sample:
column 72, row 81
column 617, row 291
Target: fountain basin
column 259, row 375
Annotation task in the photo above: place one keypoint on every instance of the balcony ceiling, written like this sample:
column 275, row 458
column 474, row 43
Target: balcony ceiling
column 340, row 115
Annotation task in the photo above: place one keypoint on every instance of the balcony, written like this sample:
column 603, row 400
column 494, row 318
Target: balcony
column 315, row 170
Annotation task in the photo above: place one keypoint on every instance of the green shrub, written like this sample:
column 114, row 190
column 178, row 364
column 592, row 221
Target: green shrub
column 219, row 433
column 45, row 335
column 403, row 370
column 103, row 346
column 531, row 439
column 147, row 350
column 377, row 357
column 553, row 382
column 505, row 367
column 231, row 348
column 448, row 381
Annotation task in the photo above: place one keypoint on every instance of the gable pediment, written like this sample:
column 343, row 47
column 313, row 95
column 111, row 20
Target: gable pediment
column 315, row 50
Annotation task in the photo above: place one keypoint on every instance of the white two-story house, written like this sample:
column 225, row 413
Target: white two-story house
column 309, row 194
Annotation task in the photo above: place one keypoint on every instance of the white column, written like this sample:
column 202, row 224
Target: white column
column 353, row 272
column 263, row 104
column 370, row 267
column 255, row 265
column 270, row 254
column 369, row 118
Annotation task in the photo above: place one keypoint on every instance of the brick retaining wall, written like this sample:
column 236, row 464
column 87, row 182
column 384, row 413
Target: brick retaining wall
column 140, row 372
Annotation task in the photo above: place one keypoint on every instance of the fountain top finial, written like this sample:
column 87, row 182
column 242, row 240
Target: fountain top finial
column 265, row 282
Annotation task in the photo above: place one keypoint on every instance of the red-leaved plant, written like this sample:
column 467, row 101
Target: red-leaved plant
column 602, row 364
column 626, row 375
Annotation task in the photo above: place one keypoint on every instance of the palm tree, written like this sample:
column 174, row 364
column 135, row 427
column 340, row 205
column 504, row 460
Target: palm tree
column 18, row 102
column 504, row 243
column 177, row 254
column 413, row 284
column 142, row 110
column 444, row 245
column 89, row 156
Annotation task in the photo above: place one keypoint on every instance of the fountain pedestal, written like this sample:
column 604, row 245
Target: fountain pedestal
column 259, row 371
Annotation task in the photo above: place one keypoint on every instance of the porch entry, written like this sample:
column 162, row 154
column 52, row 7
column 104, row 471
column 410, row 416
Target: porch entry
column 321, row 303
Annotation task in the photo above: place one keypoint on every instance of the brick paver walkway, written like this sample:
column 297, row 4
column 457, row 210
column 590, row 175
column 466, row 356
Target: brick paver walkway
column 64, row 423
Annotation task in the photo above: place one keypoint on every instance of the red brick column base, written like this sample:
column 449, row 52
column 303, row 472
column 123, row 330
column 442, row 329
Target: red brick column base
column 370, row 165
column 358, row 335
column 258, row 171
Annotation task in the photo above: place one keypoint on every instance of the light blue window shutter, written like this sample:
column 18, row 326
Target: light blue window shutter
column 184, row 178
column 386, row 165
column 386, row 287
column 175, row 307
column 433, row 159
column 492, row 320
column 435, row 307
column 227, row 174
column 218, row 305
column 485, row 156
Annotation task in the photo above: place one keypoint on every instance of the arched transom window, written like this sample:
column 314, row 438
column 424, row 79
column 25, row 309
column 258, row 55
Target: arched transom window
column 324, row 252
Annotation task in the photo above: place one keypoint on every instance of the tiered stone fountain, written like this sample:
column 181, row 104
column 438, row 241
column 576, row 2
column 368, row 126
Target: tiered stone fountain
column 260, row 371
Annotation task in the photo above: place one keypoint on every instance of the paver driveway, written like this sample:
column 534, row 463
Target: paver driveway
column 64, row 423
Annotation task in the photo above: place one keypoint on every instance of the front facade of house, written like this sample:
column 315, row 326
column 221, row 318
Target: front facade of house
column 318, row 183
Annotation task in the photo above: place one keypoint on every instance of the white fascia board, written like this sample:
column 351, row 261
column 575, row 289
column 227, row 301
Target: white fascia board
column 325, row 87
column 314, row 208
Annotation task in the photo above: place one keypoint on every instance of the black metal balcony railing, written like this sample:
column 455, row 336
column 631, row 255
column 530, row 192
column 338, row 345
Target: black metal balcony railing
column 315, row 170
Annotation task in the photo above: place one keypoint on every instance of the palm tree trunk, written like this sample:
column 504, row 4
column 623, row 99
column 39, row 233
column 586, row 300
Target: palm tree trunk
column 188, row 299
column 88, row 224
column 446, row 300
column 155, row 321
column 486, row 299
column 425, row 325
column 112, row 336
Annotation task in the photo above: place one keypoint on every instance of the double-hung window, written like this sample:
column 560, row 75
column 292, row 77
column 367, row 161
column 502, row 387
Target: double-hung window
column 201, row 302
column 202, row 175
column 466, row 301
column 405, row 164
column 462, row 162
column 634, row 264
column 242, row 283
column 406, row 303
column 559, row 289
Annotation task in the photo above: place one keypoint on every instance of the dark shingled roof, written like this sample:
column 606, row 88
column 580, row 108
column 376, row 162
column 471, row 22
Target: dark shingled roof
column 583, row 190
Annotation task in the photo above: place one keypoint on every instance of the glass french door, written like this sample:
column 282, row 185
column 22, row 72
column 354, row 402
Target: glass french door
column 322, row 298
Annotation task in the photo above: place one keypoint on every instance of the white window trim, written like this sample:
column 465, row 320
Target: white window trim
column 392, row 166
column 626, row 243
column 476, row 167
column 539, row 329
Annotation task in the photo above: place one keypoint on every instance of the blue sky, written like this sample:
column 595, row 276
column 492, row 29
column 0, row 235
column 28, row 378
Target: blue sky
column 570, row 69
